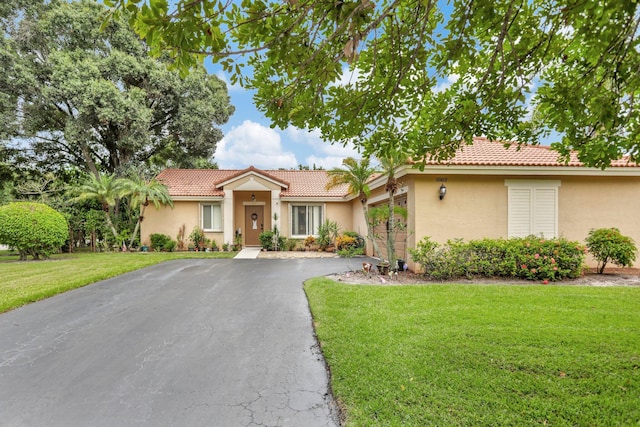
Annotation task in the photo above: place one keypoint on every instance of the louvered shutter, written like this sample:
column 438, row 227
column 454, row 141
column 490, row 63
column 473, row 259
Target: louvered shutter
column 532, row 208
column 545, row 212
column 519, row 212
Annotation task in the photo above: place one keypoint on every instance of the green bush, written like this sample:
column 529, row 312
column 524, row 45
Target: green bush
column 290, row 244
column 608, row 245
column 530, row 258
column 266, row 240
column 350, row 251
column 170, row 246
column 32, row 229
column 162, row 242
column 547, row 259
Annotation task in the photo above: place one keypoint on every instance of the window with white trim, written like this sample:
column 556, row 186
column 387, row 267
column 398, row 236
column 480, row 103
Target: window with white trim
column 211, row 214
column 305, row 220
column 532, row 208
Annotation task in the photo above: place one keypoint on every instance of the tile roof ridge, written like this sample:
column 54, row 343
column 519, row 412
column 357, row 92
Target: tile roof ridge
column 263, row 172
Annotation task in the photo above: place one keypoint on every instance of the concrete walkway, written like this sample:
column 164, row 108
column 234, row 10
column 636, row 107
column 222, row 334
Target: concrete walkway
column 202, row 342
column 249, row 253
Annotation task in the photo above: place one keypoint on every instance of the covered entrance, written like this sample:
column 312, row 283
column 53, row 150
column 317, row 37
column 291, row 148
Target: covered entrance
column 253, row 224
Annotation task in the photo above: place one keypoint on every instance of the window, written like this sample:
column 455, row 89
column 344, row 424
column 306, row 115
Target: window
column 532, row 208
column 212, row 217
column 305, row 219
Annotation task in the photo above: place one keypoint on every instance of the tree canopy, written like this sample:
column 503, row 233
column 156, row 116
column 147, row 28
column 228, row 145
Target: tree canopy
column 90, row 96
column 421, row 76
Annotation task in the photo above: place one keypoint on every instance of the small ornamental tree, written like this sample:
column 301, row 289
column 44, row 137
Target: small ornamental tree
column 32, row 229
column 608, row 245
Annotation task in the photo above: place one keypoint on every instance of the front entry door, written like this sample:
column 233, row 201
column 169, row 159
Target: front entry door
column 253, row 224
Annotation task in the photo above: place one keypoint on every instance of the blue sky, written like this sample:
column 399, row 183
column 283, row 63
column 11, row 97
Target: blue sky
column 250, row 141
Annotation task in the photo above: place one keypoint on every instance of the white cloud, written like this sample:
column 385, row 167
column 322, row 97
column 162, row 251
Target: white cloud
column 324, row 152
column 444, row 85
column 328, row 162
column 252, row 144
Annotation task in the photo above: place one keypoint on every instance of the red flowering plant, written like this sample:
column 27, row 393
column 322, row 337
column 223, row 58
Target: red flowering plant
column 549, row 259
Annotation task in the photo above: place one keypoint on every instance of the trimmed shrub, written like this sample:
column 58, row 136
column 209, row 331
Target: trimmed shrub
column 547, row 259
column 290, row 244
column 608, row 245
column 266, row 240
column 162, row 242
column 530, row 258
column 32, row 229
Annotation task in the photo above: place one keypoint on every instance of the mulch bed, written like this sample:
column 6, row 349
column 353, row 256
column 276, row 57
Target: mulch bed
column 611, row 277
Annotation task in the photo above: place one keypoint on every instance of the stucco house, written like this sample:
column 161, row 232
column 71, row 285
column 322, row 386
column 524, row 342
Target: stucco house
column 491, row 191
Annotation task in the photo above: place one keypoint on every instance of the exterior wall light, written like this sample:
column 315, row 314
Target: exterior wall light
column 253, row 197
column 443, row 191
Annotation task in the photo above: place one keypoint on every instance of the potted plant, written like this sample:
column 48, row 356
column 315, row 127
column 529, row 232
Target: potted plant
column 309, row 241
column 383, row 268
column 198, row 238
column 323, row 237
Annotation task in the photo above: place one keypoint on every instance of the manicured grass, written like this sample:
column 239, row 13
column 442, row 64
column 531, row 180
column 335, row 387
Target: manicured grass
column 465, row 355
column 29, row 281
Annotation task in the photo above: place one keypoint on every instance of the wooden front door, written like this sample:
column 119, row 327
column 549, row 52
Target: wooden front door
column 253, row 224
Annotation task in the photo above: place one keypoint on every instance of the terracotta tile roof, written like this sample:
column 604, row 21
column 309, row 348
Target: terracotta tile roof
column 193, row 182
column 204, row 182
column 484, row 152
column 308, row 184
column 258, row 171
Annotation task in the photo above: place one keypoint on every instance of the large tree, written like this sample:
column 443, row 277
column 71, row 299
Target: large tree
column 89, row 95
column 437, row 73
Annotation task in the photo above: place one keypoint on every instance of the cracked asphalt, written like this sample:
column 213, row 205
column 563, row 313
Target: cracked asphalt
column 183, row 343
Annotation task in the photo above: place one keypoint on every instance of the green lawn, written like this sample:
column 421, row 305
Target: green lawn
column 29, row 281
column 465, row 355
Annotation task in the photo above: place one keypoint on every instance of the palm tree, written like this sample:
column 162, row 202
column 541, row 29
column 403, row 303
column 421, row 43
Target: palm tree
column 356, row 175
column 390, row 162
column 141, row 193
column 106, row 189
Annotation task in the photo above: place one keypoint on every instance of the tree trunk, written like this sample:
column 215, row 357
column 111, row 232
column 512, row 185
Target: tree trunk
column 113, row 229
column 137, row 227
column 370, row 236
column 391, row 236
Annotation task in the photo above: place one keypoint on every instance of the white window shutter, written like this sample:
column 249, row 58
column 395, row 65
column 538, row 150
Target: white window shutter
column 519, row 222
column 532, row 207
column 545, row 212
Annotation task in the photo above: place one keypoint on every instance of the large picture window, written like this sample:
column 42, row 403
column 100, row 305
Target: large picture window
column 533, row 208
column 211, row 217
column 305, row 220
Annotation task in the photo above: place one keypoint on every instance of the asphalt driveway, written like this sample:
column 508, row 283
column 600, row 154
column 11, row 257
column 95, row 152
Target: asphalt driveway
column 183, row 343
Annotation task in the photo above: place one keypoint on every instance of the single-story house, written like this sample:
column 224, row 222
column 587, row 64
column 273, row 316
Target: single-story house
column 491, row 191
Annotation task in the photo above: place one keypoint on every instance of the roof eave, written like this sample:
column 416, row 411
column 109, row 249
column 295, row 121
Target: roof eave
column 196, row 198
column 513, row 170
column 312, row 199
